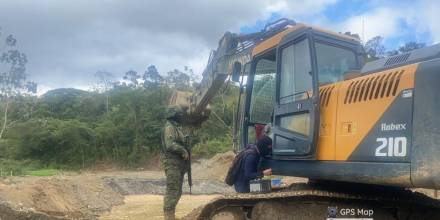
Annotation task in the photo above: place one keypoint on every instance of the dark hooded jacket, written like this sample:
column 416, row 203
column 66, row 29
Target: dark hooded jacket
column 249, row 169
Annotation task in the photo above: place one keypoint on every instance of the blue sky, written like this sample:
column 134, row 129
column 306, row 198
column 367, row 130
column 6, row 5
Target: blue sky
column 339, row 12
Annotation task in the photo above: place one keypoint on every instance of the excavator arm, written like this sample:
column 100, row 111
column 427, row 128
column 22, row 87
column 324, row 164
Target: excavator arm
column 234, row 51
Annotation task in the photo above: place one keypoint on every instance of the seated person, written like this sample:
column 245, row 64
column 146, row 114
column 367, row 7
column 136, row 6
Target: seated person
column 249, row 166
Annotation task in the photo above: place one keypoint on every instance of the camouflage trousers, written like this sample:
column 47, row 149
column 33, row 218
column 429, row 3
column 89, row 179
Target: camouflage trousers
column 174, row 175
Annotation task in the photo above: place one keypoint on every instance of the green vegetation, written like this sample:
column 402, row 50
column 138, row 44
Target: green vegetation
column 212, row 147
column 42, row 172
column 14, row 167
column 122, row 125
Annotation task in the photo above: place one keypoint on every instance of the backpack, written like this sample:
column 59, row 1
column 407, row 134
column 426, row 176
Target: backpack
column 234, row 169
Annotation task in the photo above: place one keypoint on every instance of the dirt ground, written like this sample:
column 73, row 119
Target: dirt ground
column 139, row 207
column 214, row 168
column 78, row 196
column 90, row 194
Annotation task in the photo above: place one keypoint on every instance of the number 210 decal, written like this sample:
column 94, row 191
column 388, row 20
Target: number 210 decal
column 391, row 147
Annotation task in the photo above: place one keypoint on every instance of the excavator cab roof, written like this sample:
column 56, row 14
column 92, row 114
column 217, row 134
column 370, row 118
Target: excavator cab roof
column 274, row 40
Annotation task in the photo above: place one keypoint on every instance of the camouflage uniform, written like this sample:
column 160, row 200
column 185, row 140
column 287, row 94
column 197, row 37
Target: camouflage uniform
column 175, row 143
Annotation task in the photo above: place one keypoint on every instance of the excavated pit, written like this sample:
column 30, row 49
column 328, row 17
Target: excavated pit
column 89, row 195
column 83, row 197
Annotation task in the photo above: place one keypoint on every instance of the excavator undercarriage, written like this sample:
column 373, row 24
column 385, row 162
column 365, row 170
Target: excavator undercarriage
column 323, row 200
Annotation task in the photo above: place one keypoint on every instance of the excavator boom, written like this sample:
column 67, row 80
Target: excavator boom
column 233, row 54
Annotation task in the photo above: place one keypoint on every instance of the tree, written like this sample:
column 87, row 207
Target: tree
column 375, row 48
column 194, row 79
column 133, row 77
column 181, row 80
column 12, row 76
column 353, row 35
column 57, row 141
column 151, row 77
column 105, row 84
column 412, row 45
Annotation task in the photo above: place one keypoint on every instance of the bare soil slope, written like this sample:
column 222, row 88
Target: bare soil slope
column 90, row 194
column 214, row 168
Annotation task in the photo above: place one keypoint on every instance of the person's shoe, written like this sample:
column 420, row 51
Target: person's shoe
column 169, row 215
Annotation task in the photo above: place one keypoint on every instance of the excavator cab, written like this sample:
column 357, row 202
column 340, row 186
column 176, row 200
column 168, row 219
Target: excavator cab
column 283, row 87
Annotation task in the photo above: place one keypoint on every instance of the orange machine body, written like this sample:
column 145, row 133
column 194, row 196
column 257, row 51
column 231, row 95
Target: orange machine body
column 349, row 109
column 380, row 127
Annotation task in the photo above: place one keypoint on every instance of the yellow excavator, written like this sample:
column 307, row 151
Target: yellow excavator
column 363, row 133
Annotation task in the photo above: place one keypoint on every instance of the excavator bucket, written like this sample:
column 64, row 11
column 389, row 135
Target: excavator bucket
column 184, row 100
column 181, row 99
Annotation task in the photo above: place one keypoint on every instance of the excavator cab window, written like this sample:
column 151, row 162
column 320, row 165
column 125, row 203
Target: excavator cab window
column 295, row 113
column 295, row 85
column 262, row 95
column 295, row 77
column 333, row 62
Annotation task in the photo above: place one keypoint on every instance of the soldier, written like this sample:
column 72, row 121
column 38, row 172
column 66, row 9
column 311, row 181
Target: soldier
column 175, row 161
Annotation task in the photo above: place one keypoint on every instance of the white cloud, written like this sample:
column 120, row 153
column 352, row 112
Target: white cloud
column 380, row 21
column 68, row 41
column 395, row 20
column 424, row 17
column 299, row 8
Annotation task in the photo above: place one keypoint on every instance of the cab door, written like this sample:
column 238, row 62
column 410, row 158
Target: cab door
column 296, row 113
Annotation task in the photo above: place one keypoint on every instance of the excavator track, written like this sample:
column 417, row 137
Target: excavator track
column 323, row 201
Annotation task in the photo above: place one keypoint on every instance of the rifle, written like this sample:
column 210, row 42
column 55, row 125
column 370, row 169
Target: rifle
column 187, row 147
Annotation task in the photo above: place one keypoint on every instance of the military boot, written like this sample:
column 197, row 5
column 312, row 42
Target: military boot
column 169, row 215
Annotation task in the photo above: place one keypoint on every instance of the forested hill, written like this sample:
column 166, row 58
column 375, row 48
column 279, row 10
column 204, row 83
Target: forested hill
column 122, row 125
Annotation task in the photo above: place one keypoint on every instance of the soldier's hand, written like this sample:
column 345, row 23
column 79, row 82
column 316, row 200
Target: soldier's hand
column 267, row 172
column 185, row 155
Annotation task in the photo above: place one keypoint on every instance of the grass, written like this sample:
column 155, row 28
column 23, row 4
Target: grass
column 42, row 172
column 10, row 167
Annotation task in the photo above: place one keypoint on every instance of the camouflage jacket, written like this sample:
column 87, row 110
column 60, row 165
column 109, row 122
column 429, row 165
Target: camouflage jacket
column 175, row 143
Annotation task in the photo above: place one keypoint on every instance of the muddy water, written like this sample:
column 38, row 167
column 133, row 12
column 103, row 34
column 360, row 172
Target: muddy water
column 137, row 207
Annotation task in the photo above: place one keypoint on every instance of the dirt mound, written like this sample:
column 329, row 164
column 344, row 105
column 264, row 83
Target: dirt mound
column 86, row 195
column 9, row 212
column 90, row 194
column 60, row 196
column 214, row 168
column 136, row 186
